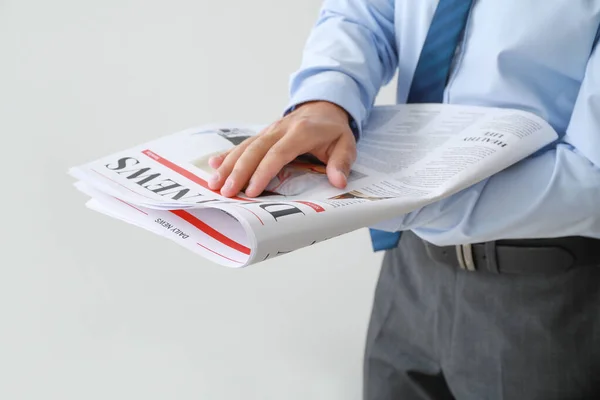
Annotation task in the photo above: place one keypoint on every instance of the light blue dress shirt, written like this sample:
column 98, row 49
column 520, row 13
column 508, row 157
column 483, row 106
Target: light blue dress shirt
column 532, row 55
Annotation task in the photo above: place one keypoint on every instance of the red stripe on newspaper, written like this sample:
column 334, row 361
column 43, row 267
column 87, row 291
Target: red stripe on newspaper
column 218, row 236
column 183, row 172
column 314, row 206
column 219, row 254
column 134, row 207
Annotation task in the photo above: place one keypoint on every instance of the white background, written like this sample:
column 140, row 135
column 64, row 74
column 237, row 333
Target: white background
column 91, row 308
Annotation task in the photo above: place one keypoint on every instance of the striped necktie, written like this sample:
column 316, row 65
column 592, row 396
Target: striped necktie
column 431, row 75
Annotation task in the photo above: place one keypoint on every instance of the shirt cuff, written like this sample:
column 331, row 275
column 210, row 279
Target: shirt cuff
column 334, row 87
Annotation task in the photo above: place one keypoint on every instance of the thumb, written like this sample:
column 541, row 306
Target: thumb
column 340, row 161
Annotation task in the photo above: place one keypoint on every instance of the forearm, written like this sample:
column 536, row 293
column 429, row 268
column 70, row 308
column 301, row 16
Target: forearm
column 555, row 194
column 349, row 55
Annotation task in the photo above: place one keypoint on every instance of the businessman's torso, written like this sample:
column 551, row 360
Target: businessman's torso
column 529, row 54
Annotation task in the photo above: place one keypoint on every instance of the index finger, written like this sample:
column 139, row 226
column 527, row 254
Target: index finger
column 282, row 153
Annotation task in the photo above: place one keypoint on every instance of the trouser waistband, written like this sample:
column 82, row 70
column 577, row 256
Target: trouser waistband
column 522, row 256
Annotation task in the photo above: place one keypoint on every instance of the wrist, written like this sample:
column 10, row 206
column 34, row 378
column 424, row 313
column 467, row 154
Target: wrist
column 332, row 110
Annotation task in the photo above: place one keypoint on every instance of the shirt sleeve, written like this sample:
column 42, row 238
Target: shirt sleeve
column 350, row 54
column 554, row 194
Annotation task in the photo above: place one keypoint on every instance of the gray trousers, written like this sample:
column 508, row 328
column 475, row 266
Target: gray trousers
column 438, row 332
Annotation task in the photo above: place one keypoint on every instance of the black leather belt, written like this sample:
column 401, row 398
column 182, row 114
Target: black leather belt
column 523, row 256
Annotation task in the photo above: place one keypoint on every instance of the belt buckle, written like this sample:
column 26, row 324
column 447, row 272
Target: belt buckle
column 466, row 260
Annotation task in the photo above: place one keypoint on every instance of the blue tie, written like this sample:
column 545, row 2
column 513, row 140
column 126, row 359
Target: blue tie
column 431, row 75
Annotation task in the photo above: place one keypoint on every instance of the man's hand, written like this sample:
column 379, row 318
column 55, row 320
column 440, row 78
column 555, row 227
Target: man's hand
column 319, row 128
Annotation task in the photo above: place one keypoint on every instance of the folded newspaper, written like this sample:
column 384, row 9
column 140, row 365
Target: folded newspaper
column 409, row 156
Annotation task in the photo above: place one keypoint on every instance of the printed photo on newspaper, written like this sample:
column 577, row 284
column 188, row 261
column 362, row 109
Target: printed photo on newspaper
column 409, row 156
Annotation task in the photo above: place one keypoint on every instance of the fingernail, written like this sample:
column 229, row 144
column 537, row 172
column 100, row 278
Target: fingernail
column 344, row 177
column 344, row 173
column 250, row 188
column 214, row 178
column 214, row 159
column 228, row 185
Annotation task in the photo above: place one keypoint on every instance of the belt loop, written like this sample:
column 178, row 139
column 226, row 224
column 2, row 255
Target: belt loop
column 469, row 257
column 460, row 256
column 491, row 257
column 466, row 259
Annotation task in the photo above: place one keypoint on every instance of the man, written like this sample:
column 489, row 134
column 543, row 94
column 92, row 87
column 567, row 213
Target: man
column 493, row 293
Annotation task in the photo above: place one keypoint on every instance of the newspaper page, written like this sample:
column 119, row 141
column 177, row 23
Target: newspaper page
column 408, row 156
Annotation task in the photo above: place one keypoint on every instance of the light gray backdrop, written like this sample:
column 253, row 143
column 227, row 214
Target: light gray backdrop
column 91, row 308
